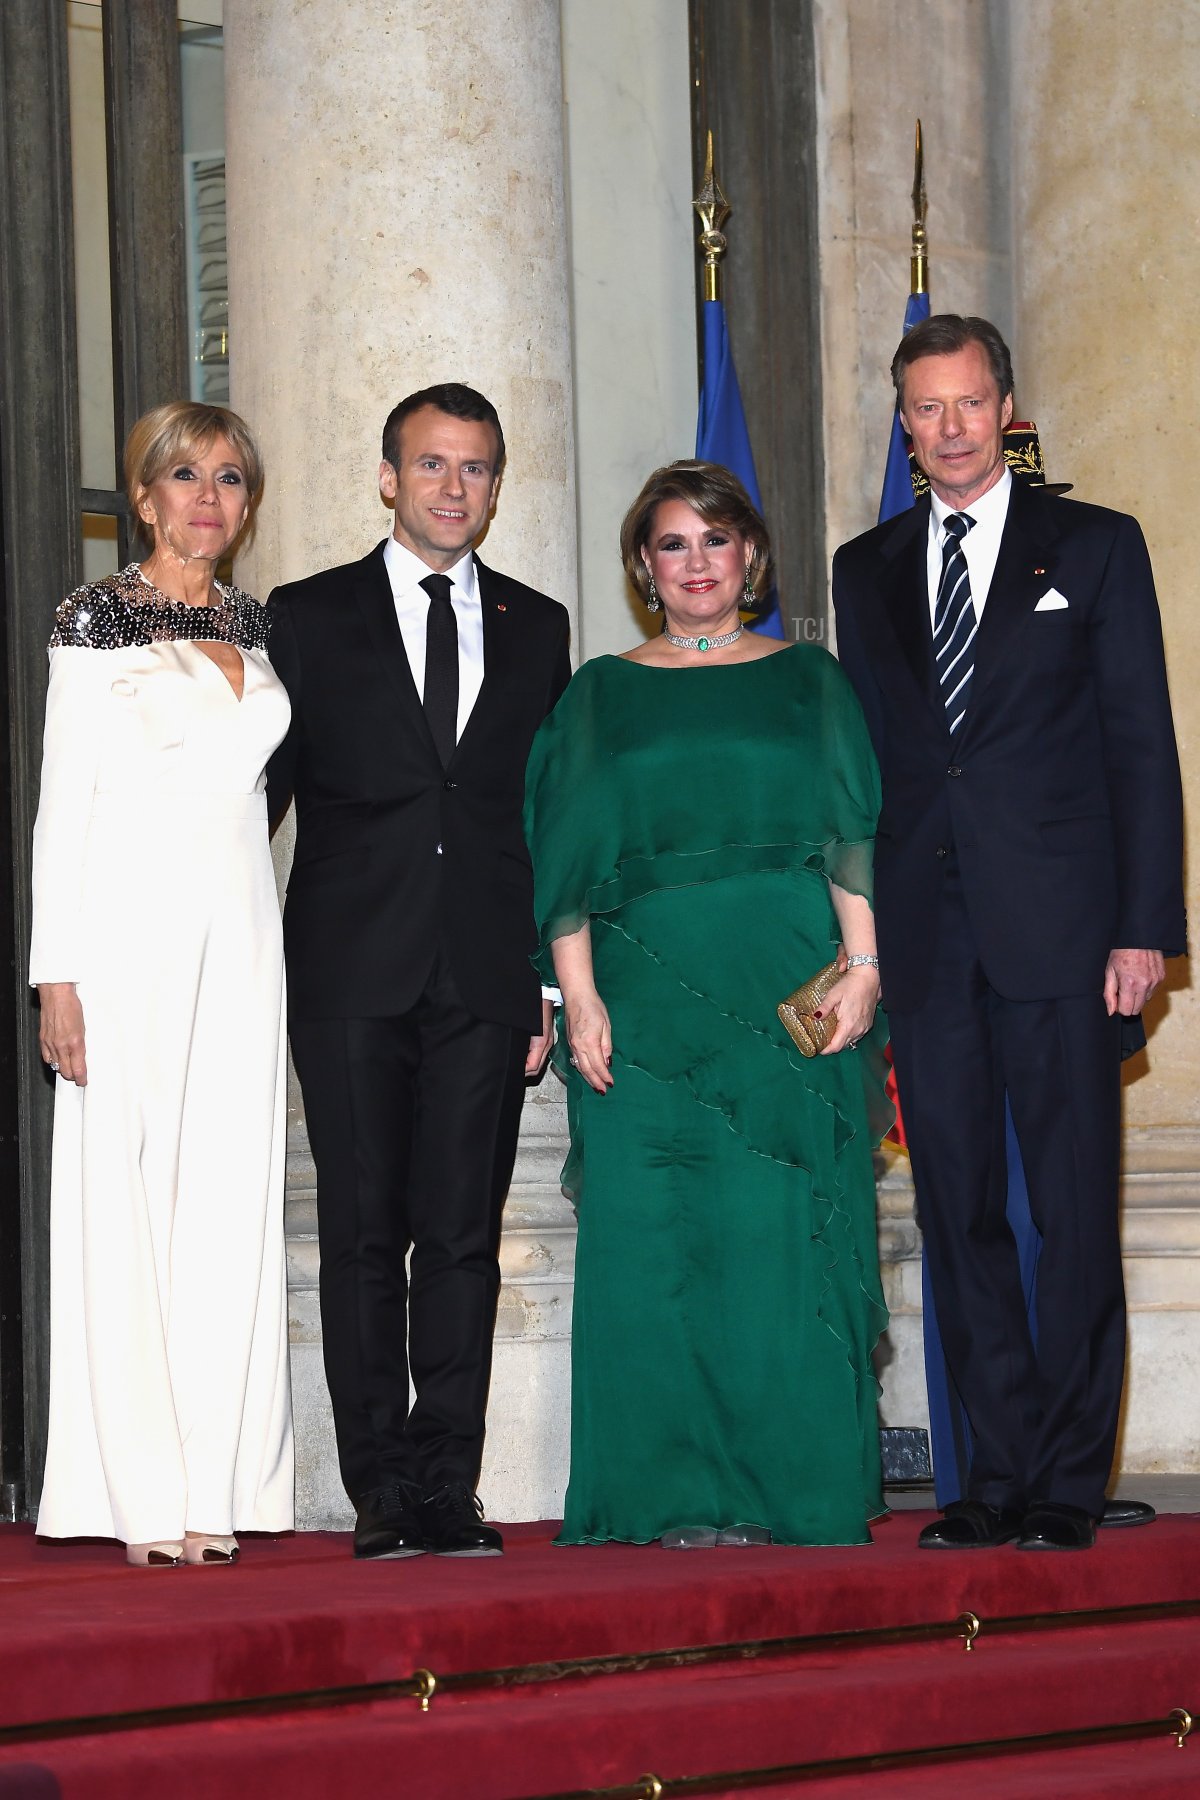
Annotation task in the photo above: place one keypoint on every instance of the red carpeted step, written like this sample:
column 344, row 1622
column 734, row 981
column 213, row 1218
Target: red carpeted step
column 1149, row 1770
column 586, row 1733
column 299, row 1613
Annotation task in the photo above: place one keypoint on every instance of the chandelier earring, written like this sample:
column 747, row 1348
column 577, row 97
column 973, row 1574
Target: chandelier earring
column 653, row 603
column 749, row 598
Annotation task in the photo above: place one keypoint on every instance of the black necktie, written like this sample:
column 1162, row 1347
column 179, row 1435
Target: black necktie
column 954, row 622
column 441, row 666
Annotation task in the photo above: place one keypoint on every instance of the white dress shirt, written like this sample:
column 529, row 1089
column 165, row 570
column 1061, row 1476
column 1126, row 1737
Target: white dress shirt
column 406, row 572
column 981, row 545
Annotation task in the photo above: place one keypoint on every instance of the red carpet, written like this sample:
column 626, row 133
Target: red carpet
column 84, row 1636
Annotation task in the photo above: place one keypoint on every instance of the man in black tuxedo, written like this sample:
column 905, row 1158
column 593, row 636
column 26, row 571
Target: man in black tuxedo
column 418, row 678
column 1006, row 647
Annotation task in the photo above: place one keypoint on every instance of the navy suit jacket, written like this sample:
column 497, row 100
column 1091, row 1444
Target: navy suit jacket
column 370, row 898
column 1060, row 795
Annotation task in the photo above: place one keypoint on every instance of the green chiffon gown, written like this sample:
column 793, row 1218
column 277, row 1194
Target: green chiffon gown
column 727, row 1292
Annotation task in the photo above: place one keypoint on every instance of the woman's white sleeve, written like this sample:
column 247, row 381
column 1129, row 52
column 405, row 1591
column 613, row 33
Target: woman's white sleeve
column 71, row 746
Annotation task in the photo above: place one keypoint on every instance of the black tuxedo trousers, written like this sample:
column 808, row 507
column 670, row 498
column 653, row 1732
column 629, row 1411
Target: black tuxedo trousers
column 413, row 1125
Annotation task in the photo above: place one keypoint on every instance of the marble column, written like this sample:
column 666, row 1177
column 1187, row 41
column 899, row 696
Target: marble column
column 1107, row 269
column 396, row 218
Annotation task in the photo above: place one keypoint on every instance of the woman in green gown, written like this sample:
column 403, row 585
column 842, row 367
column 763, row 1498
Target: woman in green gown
column 700, row 813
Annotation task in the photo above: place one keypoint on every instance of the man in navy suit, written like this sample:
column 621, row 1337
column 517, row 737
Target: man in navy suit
column 1006, row 647
column 418, row 677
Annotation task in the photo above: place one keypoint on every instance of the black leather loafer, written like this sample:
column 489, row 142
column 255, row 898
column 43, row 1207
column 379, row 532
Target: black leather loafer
column 452, row 1523
column 1126, row 1512
column 1052, row 1525
column 387, row 1523
column 971, row 1525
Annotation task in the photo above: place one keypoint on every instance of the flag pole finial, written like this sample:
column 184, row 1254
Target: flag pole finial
column 919, row 265
column 713, row 209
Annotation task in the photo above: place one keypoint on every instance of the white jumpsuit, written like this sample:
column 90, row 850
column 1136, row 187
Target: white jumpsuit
column 154, row 893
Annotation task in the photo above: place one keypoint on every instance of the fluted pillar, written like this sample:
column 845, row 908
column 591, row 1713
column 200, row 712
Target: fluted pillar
column 396, row 218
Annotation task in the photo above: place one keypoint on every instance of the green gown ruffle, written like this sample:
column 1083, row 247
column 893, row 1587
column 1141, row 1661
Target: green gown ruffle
column 727, row 1293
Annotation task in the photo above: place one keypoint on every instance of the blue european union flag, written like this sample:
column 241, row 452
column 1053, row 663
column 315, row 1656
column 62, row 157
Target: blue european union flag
column 897, row 494
column 721, row 434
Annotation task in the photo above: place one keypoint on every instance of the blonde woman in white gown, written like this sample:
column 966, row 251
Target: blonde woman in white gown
column 158, row 960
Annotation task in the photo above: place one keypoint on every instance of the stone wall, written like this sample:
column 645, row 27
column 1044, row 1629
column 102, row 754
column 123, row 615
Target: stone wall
column 1107, row 271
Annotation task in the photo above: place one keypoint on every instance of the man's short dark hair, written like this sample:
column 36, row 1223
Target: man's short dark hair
column 451, row 397
column 944, row 335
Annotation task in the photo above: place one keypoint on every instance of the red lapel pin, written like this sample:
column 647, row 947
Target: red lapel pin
column 500, row 606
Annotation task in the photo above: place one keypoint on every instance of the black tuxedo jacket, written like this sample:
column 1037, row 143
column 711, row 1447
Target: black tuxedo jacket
column 370, row 898
column 1061, row 793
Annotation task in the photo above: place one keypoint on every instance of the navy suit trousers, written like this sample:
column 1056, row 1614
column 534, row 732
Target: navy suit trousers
column 1044, row 1421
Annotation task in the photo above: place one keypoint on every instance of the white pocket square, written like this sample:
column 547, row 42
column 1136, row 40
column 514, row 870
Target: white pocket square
column 1051, row 601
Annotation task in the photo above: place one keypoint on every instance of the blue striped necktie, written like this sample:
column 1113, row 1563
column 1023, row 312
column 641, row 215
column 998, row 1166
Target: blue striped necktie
column 954, row 622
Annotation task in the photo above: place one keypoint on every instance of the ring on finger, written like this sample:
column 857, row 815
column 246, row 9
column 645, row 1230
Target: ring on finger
column 852, row 1043
column 54, row 1066
column 574, row 1061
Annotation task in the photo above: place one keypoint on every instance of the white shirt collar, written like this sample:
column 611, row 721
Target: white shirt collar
column 991, row 509
column 406, row 571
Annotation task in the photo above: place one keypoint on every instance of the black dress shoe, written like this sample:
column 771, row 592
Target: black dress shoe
column 452, row 1523
column 1126, row 1512
column 1052, row 1525
column 971, row 1525
column 387, row 1523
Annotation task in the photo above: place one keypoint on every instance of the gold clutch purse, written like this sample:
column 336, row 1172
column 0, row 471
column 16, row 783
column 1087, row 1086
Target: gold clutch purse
column 810, row 1035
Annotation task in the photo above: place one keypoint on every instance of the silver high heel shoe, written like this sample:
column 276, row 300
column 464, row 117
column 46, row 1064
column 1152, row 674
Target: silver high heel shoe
column 201, row 1549
column 162, row 1555
column 744, row 1537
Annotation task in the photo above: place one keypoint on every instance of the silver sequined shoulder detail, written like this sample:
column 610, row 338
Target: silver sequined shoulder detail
column 124, row 610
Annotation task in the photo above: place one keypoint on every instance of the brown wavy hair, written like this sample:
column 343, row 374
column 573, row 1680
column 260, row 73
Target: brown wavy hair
column 717, row 495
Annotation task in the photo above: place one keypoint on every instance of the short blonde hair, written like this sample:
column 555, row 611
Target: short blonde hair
column 170, row 434
column 717, row 495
